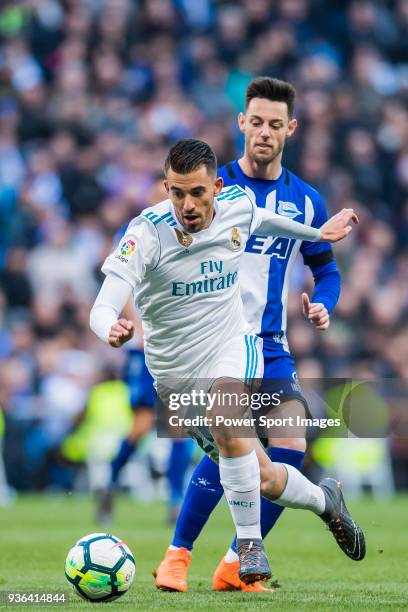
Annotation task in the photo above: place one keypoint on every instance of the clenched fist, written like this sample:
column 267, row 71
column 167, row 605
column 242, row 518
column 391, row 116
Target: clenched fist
column 121, row 332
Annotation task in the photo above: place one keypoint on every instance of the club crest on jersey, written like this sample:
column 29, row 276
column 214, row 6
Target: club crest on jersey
column 235, row 243
column 288, row 209
column 184, row 239
column 126, row 249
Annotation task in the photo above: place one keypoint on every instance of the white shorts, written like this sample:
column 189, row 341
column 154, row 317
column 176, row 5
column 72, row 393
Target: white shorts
column 240, row 358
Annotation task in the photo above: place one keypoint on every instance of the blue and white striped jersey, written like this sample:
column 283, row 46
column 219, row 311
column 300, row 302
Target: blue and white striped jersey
column 267, row 262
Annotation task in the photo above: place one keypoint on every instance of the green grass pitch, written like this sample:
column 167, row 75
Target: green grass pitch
column 37, row 532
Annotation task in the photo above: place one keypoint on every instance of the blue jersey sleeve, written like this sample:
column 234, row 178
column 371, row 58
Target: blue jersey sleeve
column 312, row 251
column 318, row 256
column 327, row 285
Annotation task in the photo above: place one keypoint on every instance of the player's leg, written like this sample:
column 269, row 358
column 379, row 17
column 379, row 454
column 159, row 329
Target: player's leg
column 279, row 378
column 279, row 381
column 179, row 461
column 286, row 486
column 203, row 493
column 326, row 500
column 205, row 490
column 239, row 471
column 142, row 423
column 142, row 396
column 240, row 479
column 241, row 360
column 287, row 450
column 238, row 365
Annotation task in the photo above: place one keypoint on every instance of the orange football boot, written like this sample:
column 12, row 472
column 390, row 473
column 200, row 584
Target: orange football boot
column 226, row 578
column 171, row 575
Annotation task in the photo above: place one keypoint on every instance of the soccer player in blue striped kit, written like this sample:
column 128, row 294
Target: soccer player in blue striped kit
column 265, row 270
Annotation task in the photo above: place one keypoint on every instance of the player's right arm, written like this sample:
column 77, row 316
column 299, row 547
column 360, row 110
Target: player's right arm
column 125, row 269
column 104, row 318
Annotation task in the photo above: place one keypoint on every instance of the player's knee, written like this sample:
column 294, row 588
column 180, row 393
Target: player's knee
column 231, row 447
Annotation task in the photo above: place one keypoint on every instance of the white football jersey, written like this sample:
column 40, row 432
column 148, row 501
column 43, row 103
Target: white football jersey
column 186, row 286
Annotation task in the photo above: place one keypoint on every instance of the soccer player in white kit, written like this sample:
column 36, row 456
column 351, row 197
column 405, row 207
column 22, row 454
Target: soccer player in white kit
column 180, row 259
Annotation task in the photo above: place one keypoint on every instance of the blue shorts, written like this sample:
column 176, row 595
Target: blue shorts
column 139, row 381
column 280, row 377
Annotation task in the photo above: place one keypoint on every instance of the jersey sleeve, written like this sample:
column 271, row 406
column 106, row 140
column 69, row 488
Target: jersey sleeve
column 317, row 253
column 320, row 259
column 111, row 300
column 137, row 251
column 271, row 224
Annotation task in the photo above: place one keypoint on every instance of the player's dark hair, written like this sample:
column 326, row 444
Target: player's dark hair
column 271, row 89
column 187, row 155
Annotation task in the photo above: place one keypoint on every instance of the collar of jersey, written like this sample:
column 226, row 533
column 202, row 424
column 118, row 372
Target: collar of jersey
column 203, row 232
column 260, row 183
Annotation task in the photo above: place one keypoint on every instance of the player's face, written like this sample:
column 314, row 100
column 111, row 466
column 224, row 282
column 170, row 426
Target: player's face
column 265, row 125
column 193, row 197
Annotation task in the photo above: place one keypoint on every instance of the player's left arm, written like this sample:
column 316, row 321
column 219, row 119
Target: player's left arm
column 327, row 281
column 271, row 224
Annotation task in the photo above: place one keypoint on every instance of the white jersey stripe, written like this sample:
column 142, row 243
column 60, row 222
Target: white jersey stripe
column 309, row 214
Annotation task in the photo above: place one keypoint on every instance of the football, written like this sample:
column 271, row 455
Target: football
column 100, row 567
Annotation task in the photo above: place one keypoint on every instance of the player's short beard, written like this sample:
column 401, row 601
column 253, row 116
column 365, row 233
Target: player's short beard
column 267, row 160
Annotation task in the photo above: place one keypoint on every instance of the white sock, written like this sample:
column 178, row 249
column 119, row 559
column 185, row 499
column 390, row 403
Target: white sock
column 231, row 556
column 241, row 482
column 172, row 547
column 301, row 493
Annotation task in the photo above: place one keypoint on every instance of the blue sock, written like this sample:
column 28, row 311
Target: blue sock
column 179, row 461
column 270, row 512
column 124, row 453
column 203, row 493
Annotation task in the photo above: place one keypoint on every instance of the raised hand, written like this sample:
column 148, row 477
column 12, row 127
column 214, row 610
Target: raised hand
column 339, row 226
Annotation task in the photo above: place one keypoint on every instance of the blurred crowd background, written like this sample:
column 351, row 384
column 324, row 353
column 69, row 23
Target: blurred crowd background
column 92, row 93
